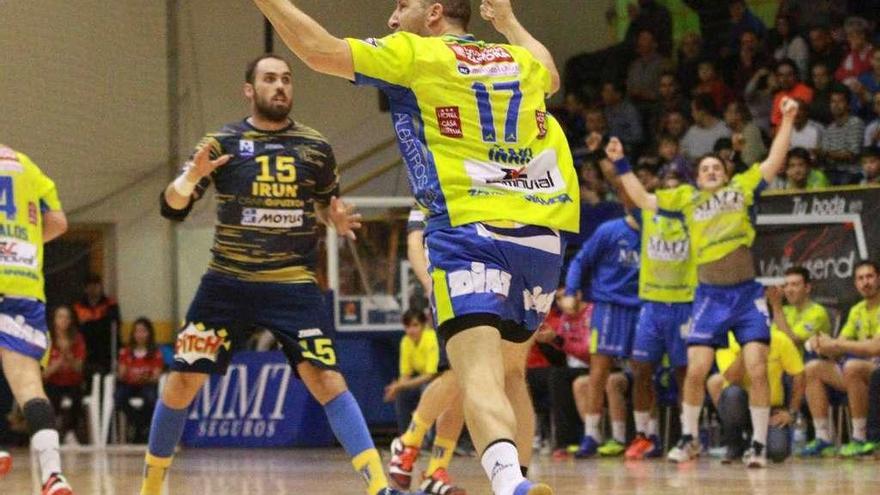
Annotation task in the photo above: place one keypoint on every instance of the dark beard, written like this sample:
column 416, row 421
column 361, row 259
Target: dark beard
column 271, row 112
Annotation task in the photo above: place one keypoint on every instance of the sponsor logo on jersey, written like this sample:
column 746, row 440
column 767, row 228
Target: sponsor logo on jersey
column 726, row 201
column 663, row 250
column 627, row 256
column 246, row 147
column 197, row 342
column 479, row 280
column 14, row 252
column 309, row 332
column 476, row 61
column 541, row 175
column 372, row 42
column 18, row 327
column 537, row 300
column 520, row 156
column 553, row 200
column 14, row 231
column 273, row 146
column 7, row 165
column 261, row 217
column 449, row 121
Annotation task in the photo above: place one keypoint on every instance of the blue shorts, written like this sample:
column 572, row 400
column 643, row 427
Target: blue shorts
column 23, row 326
column 225, row 311
column 740, row 308
column 661, row 329
column 485, row 275
column 613, row 327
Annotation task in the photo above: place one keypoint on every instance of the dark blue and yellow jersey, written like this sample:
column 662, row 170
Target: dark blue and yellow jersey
column 266, row 195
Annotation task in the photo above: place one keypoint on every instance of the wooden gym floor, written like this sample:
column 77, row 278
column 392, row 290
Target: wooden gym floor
column 328, row 472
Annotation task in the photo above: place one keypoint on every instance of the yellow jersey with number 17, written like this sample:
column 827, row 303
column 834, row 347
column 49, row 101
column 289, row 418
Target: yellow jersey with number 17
column 473, row 129
column 25, row 193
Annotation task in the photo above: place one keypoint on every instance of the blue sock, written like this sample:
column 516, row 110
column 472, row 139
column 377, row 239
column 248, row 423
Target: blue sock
column 348, row 424
column 166, row 429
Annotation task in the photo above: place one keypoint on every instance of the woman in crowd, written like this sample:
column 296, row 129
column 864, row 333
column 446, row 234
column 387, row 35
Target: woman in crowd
column 64, row 372
column 140, row 365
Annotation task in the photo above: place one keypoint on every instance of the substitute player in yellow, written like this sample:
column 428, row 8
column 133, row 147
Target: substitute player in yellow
column 495, row 173
column 30, row 215
column 802, row 318
column 719, row 216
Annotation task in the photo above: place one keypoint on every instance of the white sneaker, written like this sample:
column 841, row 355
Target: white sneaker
column 756, row 456
column 70, row 438
column 685, row 450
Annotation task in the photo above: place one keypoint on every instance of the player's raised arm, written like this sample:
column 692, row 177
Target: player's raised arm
column 313, row 44
column 771, row 167
column 631, row 184
column 500, row 14
column 179, row 193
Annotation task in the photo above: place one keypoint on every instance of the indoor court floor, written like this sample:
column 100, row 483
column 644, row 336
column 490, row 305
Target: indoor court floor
column 328, row 472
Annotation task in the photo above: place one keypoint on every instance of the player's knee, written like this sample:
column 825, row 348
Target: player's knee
column 39, row 415
column 853, row 369
column 327, row 385
column 811, row 369
column 180, row 388
column 642, row 371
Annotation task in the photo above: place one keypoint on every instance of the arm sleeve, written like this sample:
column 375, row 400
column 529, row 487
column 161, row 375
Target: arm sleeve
column 47, row 191
column 586, row 258
column 388, row 60
column 849, row 328
column 750, row 180
column 405, row 352
column 432, row 363
column 673, row 200
column 327, row 179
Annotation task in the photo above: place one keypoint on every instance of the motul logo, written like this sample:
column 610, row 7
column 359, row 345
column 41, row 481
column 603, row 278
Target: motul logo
column 481, row 56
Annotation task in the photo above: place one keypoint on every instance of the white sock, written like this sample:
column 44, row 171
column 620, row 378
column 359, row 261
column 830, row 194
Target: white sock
column 860, row 429
column 618, row 431
column 45, row 444
column 760, row 423
column 501, row 463
column 653, row 429
column 690, row 420
column 643, row 418
column 822, row 431
column 591, row 426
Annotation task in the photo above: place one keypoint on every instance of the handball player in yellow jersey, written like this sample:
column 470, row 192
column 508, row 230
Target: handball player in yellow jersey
column 719, row 215
column 494, row 171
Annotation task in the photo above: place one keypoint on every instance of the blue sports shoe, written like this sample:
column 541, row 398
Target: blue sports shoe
column 526, row 487
column 818, row 448
column 657, row 451
column 588, row 448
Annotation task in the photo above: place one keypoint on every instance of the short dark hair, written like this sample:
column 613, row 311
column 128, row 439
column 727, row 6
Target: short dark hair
column 414, row 315
column 801, row 153
column 873, row 264
column 706, row 103
column 870, row 153
column 617, row 84
column 789, row 62
column 250, row 73
column 840, row 89
column 799, row 270
column 459, row 11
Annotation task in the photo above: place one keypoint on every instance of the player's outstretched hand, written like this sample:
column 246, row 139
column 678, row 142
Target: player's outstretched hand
column 789, row 108
column 344, row 218
column 498, row 12
column 614, row 150
column 202, row 166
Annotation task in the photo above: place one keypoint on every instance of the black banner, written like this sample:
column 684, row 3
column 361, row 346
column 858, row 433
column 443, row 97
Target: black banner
column 827, row 232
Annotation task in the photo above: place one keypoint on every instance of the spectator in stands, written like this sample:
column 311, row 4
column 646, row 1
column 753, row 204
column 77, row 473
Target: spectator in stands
column 739, row 120
column 806, row 133
column 99, row 323
column 706, row 130
column 743, row 20
column 140, row 366
column 669, row 98
column 858, row 60
column 643, row 77
column 651, row 16
column 729, row 150
column 674, row 124
column 824, row 50
column 668, row 150
column 676, row 173
column 750, row 58
column 842, row 140
column 690, row 53
column 541, row 359
column 712, row 85
column 758, row 95
column 729, row 390
column 872, row 132
column 572, row 120
column 800, row 173
column 64, row 372
column 868, row 87
column 811, row 13
column 597, row 202
column 788, row 85
column 595, row 123
column 623, row 119
column 802, row 318
column 419, row 361
column 870, row 167
column 568, row 331
column 786, row 43
column 714, row 23
column 823, row 86
column 856, row 345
